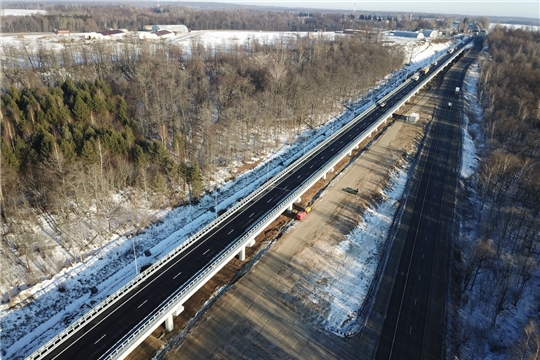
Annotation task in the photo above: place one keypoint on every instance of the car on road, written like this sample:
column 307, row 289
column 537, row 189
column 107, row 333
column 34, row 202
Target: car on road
column 449, row 105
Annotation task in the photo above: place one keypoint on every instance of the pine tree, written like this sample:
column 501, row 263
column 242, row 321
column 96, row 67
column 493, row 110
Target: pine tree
column 122, row 114
column 81, row 110
column 140, row 157
column 98, row 104
column 89, row 154
column 196, row 180
column 158, row 184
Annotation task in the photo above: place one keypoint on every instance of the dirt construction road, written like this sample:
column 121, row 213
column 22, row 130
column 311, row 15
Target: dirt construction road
column 274, row 311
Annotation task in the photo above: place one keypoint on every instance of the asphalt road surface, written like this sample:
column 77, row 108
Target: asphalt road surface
column 414, row 323
column 96, row 339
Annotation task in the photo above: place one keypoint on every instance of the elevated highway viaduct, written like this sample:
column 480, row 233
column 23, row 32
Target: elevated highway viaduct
column 122, row 321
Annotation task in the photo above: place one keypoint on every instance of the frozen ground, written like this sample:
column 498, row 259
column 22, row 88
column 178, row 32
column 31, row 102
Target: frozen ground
column 485, row 341
column 351, row 265
column 21, row 12
column 44, row 309
column 514, row 26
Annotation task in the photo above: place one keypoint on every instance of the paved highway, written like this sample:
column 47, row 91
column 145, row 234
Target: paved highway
column 414, row 323
column 97, row 338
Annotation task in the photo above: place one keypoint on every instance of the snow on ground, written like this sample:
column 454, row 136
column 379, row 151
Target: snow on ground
column 358, row 256
column 469, row 160
column 418, row 51
column 516, row 26
column 485, row 341
column 47, row 308
column 21, row 12
column 225, row 40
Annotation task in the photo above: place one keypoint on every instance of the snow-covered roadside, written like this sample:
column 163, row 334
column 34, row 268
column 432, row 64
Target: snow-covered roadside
column 470, row 131
column 53, row 304
column 356, row 259
column 476, row 337
column 57, row 302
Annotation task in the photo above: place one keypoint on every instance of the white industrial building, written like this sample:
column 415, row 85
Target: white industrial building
column 409, row 34
column 430, row 33
column 175, row 28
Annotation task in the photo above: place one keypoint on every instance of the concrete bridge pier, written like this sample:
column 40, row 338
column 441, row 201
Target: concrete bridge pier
column 242, row 252
column 324, row 176
column 169, row 323
column 290, row 207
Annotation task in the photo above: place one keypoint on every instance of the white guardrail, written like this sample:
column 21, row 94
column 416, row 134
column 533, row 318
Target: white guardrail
column 157, row 317
column 82, row 321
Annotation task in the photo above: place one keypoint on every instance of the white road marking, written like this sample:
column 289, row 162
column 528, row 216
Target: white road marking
column 251, row 214
column 410, row 330
column 206, row 251
column 419, row 276
column 144, row 302
column 175, row 276
column 415, row 301
column 101, row 338
column 229, row 233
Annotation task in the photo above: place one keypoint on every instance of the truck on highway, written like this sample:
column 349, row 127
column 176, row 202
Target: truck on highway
column 425, row 70
column 416, row 76
column 457, row 90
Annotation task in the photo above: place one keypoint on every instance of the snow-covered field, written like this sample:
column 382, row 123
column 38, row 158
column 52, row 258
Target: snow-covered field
column 21, row 12
column 44, row 309
column 514, row 26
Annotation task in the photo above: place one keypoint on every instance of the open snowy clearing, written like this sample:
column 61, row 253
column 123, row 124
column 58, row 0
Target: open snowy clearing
column 41, row 311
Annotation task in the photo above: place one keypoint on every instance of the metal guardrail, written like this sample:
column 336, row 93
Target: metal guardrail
column 109, row 301
column 223, row 258
column 173, row 300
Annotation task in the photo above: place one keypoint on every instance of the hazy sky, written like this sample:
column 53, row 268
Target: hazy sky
column 527, row 8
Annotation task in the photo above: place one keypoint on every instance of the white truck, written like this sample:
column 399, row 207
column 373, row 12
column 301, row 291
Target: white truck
column 416, row 76
column 457, row 91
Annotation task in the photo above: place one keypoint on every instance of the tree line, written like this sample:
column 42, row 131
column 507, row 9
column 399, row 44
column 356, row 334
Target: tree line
column 145, row 122
column 86, row 18
column 500, row 264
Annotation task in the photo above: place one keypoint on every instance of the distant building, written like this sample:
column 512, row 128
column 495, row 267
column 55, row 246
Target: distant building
column 155, row 35
column 430, row 33
column 182, row 29
column 61, row 31
column 409, row 34
column 93, row 36
column 147, row 27
column 162, row 34
column 111, row 33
